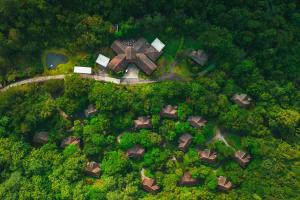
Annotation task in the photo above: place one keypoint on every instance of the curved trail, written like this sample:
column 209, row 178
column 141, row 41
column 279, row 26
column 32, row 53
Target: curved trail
column 95, row 77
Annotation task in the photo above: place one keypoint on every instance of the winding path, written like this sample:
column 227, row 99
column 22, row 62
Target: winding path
column 103, row 78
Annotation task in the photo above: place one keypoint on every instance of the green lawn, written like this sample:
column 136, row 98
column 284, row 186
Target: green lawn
column 62, row 68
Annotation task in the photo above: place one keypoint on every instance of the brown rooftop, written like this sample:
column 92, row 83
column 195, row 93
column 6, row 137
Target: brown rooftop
column 135, row 152
column 242, row 158
column 224, row 184
column 169, row 111
column 184, row 142
column 90, row 111
column 188, row 180
column 208, row 156
column 92, row 169
column 200, row 57
column 41, row 137
column 137, row 52
column 197, row 121
column 142, row 122
column 242, row 100
column 70, row 140
column 149, row 185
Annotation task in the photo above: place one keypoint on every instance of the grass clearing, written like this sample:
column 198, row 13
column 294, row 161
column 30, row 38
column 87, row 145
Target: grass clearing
column 65, row 68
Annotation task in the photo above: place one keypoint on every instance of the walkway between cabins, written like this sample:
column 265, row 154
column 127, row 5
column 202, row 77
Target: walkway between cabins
column 95, row 77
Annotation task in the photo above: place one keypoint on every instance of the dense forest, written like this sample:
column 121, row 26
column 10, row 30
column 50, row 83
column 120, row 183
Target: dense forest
column 256, row 48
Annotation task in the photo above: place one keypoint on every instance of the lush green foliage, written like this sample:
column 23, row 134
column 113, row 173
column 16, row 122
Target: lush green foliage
column 255, row 47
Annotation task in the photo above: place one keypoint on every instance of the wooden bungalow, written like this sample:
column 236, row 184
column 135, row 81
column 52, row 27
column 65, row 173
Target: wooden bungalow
column 169, row 111
column 200, row 57
column 188, row 180
column 70, row 140
column 242, row 100
column 150, row 185
column 242, row 158
column 92, row 169
column 142, row 122
column 208, row 156
column 90, row 111
column 197, row 121
column 41, row 137
column 224, row 184
column 135, row 152
column 184, row 142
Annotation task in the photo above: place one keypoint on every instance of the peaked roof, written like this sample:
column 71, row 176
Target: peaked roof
column 138, row 52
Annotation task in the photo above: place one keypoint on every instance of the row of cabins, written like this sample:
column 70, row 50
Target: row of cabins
column 185, row 140
column 169, row 111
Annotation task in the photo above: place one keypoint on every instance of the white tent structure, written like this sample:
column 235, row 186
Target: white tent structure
column 158, row 45
column 82, row 70
column 102, row 60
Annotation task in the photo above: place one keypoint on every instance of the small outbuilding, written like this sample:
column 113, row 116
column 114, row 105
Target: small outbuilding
column 135, row 152
column 242, row 158
column 184, row 142
column 82, row 70
column 41, row 137
column 158, row 45
column 200, row 57
column 243, row 100
column 142, row 122
column 70, row 140
column 197, row 121
column 150, row 185
column 224, row 184
column 90, row 111
column 102, row 60
column 208, row 156
column 188, row 180
column 169, row 111
column 92, row 169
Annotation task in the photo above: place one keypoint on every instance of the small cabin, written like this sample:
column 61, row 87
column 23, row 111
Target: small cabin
column 224, row 184
column 188, row 180
column 197, row 121
column 142, row 122
column 208, row 156
column 184, row 142
column 70, row 140
column 169, row 111
column 242, row 100
column 150, row 185
column 242, row 158
column 92, row 169
column 90, row 111
column 199, row 57
column 41, row 137
column 135, row 152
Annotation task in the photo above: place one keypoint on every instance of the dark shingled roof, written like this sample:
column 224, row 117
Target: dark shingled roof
column 142, row 122
column 208, row 156
column 137, row 52
column 90, row 111
column 150, row 185
column 188, row 180
column 197, row 121
column 200, row 57
column 135, row 152
column 242, row 100
column 92, row 169
column 41, row 137
column 70, row 140
column 224, row 184
column 169, row 111
column 184, row 142
column 242, row 158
